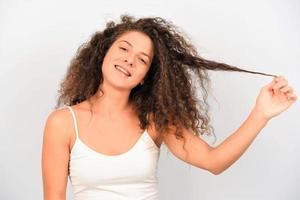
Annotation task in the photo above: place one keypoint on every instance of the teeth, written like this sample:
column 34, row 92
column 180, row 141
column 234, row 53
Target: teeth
column 123, row 70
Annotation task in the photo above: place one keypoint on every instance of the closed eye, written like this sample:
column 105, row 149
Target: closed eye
column 123, row 49
column 143, row 61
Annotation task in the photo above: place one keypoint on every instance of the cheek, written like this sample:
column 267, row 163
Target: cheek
column 110, row 54
column 142, row 73
column 108, row 60
column 106, row 67
column 146, row 70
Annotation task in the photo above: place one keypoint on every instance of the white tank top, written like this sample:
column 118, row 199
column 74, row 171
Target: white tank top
column 130, row 175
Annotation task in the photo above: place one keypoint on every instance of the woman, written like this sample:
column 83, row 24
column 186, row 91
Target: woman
column 127, row 91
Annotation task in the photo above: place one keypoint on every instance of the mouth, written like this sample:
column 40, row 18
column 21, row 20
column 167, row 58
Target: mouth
column 122, row 70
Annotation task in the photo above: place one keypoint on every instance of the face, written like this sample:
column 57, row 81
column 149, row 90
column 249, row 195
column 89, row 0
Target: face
column 128, row 60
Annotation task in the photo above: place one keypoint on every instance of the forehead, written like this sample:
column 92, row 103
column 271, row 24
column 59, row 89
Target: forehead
column 138, row 40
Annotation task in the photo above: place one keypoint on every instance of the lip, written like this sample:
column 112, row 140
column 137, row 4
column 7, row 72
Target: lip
column 124, row 69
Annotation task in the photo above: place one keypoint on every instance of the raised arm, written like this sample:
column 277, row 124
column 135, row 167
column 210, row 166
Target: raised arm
column 231, row 149
column 55, row 156
column 273, row 99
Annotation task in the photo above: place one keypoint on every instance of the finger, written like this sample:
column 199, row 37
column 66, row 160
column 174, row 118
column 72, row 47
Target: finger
column 291, row 96
column 271, row 84
column 280, row 84
column 286, row 89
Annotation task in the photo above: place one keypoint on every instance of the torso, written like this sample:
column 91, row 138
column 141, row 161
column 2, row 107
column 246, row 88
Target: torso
column 107, row 136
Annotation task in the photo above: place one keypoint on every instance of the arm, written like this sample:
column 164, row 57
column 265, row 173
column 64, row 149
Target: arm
column 230, row 150
column 273, row 99
column 55, row 156
column 216, row 159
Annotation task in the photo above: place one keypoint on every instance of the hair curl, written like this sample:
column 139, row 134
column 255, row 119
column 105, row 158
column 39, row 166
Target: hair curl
column 167, row 93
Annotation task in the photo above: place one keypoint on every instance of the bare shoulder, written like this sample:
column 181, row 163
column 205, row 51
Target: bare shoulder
column 58, row 125
column 56, row 152
column 59, row 115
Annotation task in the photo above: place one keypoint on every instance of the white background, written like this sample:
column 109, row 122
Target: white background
column 39, row 38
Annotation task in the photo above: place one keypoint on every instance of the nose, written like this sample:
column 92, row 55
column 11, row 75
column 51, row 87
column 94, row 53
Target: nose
column 129, row 63
column 129, row 60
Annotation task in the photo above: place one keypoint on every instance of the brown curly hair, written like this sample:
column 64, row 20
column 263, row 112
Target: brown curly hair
column 167, row 93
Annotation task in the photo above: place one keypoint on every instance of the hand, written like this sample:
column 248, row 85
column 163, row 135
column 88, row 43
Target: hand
column 275, row 97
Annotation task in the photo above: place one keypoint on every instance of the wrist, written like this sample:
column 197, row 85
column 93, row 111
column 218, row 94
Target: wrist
column 258, row 114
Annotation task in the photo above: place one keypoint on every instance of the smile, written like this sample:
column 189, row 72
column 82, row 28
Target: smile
column 122, row 70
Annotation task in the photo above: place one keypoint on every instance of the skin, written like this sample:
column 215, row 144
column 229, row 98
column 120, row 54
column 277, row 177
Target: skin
column 114, row 114
column 133, row 51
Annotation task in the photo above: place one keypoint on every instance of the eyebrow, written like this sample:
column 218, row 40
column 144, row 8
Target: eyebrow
column 131, row 46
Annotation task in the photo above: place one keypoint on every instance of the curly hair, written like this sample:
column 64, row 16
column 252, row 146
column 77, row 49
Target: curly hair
column 167, row 93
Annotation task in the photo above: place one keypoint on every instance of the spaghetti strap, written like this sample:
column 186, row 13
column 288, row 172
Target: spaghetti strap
column 74, row 120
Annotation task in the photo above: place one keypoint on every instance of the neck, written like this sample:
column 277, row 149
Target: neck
column 112, row 103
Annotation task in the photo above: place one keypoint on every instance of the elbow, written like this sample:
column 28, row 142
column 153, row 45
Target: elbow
column 214, row 169
column 214, row 166
column 215, row 172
